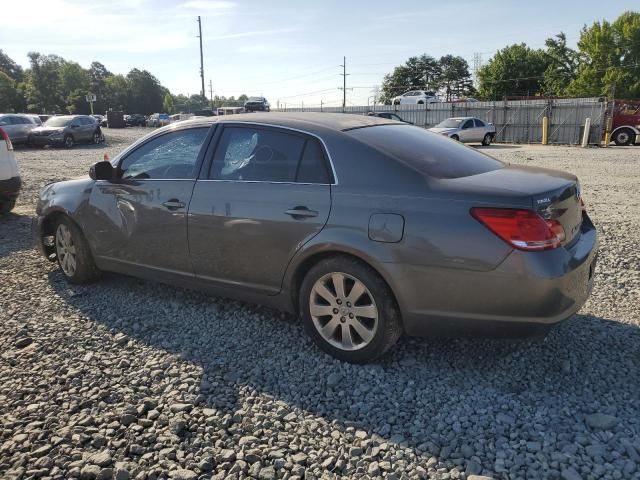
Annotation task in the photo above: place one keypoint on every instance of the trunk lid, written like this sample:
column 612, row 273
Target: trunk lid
column 554, row 195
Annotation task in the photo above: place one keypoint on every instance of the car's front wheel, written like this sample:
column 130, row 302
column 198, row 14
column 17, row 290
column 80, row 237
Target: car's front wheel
column 624, row 136
column 73, row 253
column 455, row 137
column 348, row 310
column 486, row 141
column 68, row 141
column 97, row 137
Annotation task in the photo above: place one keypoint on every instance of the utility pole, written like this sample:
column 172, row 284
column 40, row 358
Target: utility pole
column 202, row 92
column 344, row 82
column 211, row 93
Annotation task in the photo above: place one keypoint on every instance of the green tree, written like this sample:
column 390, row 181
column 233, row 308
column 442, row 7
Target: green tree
column 74, row 86
column 98, row 75
column 43, row 88
column 8, row 93
column 562, row 65
column 609, row 58
column 145, row 92
column 11, row 68
column 514, row 70
column 418, row 72
column 167, row 104
column 116, row 92
column 455, row 79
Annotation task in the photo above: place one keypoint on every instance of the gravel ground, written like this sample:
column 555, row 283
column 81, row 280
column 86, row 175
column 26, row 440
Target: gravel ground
column 130, row 379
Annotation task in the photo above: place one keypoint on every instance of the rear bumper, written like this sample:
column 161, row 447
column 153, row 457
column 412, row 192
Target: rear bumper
column 527, row 293
column 10, row 188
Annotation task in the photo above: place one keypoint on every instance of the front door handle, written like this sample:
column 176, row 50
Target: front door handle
column 173, row 204
column 299, row 213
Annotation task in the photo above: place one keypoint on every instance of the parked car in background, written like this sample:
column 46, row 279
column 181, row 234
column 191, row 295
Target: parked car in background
column 389, row 116
column 416, row 97
column 10, row 182
column 17, row 126
column 98, row 119
column 66, row 130
column 179, row 117
column 365, row 227
column 257, row 104
column 158, row 120
column 135, row 120
column 36, row 118
column 44, row 118
column 466, row 130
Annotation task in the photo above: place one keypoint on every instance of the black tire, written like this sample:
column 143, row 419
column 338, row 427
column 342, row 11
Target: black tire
column 486, row 141
column 85, row 268
column 455, row 137
column 97, row 137
column 389, row 326
column 68, row 141
column 396, row 102
column 624, row 136
column 7, row 205
column 420, row 102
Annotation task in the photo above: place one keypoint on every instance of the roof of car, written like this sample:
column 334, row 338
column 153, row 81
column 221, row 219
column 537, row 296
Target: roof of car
column 302, row 120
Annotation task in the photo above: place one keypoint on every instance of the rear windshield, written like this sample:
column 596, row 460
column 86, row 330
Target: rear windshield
column 426, row 152
column 450, row 123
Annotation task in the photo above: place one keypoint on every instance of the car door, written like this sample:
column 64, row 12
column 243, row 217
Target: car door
column 88, row 126
column 267, row 193
column 140, row 218
column 467, row 131
column 11, row 127
column 481, row 129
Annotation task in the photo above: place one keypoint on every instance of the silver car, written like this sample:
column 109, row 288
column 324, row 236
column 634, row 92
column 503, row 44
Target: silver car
column 466, row 130
column 18, row 126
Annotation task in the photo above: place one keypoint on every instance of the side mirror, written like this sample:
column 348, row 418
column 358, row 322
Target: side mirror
column 102, row 171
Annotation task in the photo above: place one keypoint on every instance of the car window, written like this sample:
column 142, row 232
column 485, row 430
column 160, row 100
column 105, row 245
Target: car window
column 426, row 152
column 479, row 123
column 393, row 116
column 169, row 156
column 4, row 121
column 313, row 166
column 467, row 124
column 254, row 154
column 15, row 120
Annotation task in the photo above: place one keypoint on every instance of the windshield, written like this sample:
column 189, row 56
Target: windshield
column 426, row 152
column 163, row 116
column 450, row 123
column 255, row 99
column 58, row 122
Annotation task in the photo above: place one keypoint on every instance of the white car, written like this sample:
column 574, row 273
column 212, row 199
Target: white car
column 466, row 130
column 416, row 97
column 10, row 182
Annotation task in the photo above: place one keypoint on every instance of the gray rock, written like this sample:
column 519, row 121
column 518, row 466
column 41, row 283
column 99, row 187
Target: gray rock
column 181, row 407
column 333, row 379
column 570, row 473
column 267, row 473
column 102, row 459
column 90, row 472
column 23, row 342
column 184, row 474
column 601, row 421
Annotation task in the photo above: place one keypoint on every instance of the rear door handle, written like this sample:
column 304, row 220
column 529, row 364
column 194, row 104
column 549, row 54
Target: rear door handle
column 173, row 204
column 300, row 213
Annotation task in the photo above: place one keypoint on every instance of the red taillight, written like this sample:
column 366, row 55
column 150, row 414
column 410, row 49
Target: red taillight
column 6, row 138
column 522, row 229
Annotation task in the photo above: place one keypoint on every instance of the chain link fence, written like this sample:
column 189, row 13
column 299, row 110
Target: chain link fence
column 516, row 121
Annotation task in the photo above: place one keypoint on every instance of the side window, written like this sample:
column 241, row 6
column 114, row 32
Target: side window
column 467, row 124
column 169, row 156
column 253, row 154
column 18, row 120
column 5, row 121
column 313, row 166
column 479, row 123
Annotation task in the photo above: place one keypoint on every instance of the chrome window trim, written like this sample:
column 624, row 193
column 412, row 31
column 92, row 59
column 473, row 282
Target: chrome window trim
column 260, row 124
column 262, row 181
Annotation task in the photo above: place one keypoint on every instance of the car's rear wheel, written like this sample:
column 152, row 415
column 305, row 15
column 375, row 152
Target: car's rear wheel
column 624, row 136
column 348, row 310
column 73, row 253
column 68, row 141
column 486, row 141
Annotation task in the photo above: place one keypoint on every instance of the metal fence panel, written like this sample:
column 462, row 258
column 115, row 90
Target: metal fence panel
column 517, row 121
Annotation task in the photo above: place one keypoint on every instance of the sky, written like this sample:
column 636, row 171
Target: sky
column 290, row 51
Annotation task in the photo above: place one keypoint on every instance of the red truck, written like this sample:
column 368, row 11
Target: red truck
column 625, row 121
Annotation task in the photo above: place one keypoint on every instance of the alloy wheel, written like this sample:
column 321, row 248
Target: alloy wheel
column 343, row 311
column 68, row 142
column 66, row 250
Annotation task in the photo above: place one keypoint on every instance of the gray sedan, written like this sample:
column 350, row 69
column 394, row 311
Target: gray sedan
column 18, row 126
column 365, row 227
column 466, row 130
